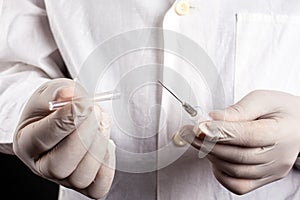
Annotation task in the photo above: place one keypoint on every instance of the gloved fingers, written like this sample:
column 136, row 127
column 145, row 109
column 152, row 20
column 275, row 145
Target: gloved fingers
column 242, row 155
column 254, row 105
column 88, row 167
column 240, row 186
column 104, row 178
column 62, row 160
column 241, row 171
column 98, row 149
column 256, row 133
column 41, row 136
column 84, row 173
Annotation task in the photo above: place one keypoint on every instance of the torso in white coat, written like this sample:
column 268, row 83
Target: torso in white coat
column 252, row 44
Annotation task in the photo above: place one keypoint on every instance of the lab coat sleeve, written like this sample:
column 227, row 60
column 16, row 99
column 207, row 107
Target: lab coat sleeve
column 28, row 58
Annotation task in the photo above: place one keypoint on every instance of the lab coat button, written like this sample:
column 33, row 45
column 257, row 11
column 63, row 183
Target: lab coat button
column 182, row 8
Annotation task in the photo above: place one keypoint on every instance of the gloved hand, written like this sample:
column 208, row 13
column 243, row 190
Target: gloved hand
column 260, row 140
column 69, row 146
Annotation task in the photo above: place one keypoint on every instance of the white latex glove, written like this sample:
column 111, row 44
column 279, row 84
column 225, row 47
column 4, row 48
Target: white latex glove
column 262, row 140
column 69, row 146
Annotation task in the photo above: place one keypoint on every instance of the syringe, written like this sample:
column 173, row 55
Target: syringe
column 103, row 96
column 180, row 138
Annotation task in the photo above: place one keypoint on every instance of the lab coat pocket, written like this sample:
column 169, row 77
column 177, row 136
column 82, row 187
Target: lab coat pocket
column 267, row 53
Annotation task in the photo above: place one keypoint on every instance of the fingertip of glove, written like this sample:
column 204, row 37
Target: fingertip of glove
column 63, row 93
column 217, row 114
column 81, row 107
column 74, row 113
column 210, row 129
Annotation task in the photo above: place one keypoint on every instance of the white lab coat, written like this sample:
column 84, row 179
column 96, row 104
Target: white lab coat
column 253, row 44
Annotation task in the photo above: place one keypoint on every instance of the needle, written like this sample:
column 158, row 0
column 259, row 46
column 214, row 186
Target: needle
column 187, row 107
column 171, row 92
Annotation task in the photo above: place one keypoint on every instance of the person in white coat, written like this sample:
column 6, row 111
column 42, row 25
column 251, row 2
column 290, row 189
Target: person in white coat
column 56, row 50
